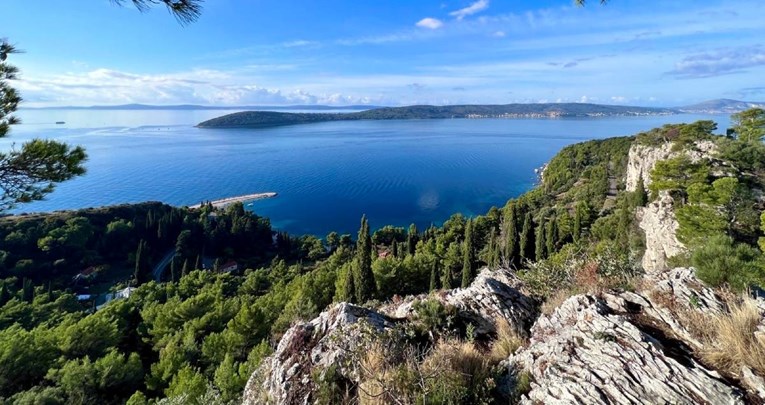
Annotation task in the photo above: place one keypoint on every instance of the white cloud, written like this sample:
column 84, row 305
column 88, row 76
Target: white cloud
column 474, row 8
column 430, row 23
column 499, row 34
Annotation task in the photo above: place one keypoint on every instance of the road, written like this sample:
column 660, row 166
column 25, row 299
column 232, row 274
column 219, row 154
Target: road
column 162, row 265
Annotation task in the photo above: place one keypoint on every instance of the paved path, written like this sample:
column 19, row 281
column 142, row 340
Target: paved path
column 162, row 265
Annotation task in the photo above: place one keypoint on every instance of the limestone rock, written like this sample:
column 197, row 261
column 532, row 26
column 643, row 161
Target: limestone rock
column 641, row 161
column 660, row 225
column 588, row 352
column 493, row 294
column 643, row 158
column 285, row 376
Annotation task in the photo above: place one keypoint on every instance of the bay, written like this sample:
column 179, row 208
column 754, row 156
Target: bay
column 327, row 174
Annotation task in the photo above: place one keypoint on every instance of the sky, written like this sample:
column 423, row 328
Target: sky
column 388, row 52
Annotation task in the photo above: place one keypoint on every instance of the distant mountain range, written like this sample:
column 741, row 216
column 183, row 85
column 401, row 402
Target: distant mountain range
column 720, row 106
column 207, row 107
column 255, row 119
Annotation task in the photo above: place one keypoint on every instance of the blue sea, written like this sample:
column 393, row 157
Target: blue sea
column 327, row 174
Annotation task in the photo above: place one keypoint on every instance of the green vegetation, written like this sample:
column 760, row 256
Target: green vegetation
column 260, row 119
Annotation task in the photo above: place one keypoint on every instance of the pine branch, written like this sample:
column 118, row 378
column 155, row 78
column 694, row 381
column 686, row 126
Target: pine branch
column 185, row 11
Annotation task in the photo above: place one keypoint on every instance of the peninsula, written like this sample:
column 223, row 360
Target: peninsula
column 223, row 202
column 261, row 119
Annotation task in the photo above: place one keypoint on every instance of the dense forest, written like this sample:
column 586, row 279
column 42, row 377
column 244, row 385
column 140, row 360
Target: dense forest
column 194, row 328
column 257, row 119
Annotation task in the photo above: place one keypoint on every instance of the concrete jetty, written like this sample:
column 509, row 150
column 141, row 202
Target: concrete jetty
column 230, row 200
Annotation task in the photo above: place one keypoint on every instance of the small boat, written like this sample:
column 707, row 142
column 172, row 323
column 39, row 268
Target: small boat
column 60, row 122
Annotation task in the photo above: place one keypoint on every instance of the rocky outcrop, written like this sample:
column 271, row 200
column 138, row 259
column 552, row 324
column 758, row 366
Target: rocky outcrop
column 286, row 376
column 660, row 225
column 658, row 219
column 493, row 294
column 643, row 158
column 594, row 351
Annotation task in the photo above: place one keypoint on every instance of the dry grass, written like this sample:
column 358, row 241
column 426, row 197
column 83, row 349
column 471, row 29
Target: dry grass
column 555, row 300
column 733, row 343
column 507, row 342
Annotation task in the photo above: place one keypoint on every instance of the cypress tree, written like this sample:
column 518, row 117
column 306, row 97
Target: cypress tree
column 140, row 261
column 492, row 250
column 5, row 295
column 412, row 237
column 510, row 233
column 640, row 197
column 527, row 237
column 467, row 258
column 172, row 270
column 365, row 281
column 433, row 276
column 540, row 246
column 27, row 291
column 349, row 291
column 394, row 248
column 446, row 278
column 551, row 237
column 50, row 297
column 576, row 233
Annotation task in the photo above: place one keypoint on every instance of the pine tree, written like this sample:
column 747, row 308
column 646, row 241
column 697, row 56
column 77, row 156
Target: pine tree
column 365, row 280
column 412, row 237
column 641, row 195
column 527, row 237
column 551, row 236
column 540, row 246
column 349, row 290
column 467, row 258
column 433, row 276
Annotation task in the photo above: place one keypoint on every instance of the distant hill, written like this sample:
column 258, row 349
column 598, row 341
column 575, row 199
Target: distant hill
column 206, row 107
column 256, row 119
column 720, row 106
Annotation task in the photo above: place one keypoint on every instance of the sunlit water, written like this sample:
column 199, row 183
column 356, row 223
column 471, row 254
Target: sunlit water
column 327, row 174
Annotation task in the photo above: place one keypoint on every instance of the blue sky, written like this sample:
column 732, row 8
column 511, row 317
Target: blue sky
column 389, row 52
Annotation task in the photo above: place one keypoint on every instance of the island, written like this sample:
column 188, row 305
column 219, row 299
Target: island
column 261, row 119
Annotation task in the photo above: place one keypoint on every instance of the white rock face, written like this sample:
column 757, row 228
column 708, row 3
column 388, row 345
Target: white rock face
column 590, row 352
column 643, row 158
column 660, row 225
column 641, row 161
column 285, row 376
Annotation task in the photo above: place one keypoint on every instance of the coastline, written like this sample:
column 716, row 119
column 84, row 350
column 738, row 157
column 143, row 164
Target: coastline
column 223, row 202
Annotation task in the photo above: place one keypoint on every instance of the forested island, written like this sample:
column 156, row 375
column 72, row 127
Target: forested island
column 238, row 300
column 260, row 119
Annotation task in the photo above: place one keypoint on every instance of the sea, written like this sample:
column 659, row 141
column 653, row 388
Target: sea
column 327, row 175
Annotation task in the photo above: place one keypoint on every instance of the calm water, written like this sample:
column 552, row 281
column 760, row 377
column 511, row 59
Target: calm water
column 327, row 175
